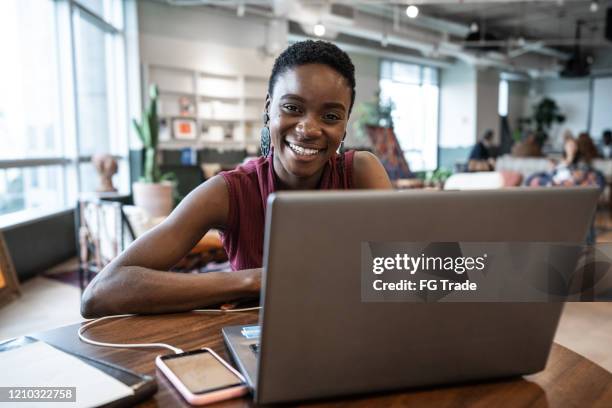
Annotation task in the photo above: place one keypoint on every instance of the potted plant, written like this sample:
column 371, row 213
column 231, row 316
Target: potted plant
column 154, row 191
column 544, row 115
column 374, row 113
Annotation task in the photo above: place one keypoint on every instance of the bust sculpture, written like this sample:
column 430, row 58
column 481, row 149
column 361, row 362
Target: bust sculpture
column 106, row 166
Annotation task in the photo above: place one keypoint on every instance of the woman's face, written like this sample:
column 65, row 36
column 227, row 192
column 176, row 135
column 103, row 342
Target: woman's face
column 308, row 112
column 571, row 147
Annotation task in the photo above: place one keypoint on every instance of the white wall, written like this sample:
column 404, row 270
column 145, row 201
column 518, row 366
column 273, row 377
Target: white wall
column 487, row 102
column 367, row 69
column 457, row 106
column 601, row 116
column 203, row 39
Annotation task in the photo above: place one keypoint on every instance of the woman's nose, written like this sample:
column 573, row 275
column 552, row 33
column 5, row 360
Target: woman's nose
column 308, row 127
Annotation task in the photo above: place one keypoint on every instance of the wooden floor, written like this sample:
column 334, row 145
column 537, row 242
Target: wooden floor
column 44, row 304
column 585, row 328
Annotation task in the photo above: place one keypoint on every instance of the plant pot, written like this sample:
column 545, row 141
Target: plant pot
column 155, row 198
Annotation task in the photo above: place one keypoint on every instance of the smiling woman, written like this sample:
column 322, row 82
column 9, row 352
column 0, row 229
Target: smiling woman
column 310, row 97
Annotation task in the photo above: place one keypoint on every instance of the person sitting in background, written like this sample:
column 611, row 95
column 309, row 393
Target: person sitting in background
column 586, row 147
column 606, row 144
column 480, row 157
column 528, row 147
column 574, row 170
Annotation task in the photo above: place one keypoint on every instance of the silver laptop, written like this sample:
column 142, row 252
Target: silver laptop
column 318, row 339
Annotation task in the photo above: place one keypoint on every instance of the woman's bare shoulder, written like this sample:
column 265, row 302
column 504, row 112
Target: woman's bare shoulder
column 368, row 172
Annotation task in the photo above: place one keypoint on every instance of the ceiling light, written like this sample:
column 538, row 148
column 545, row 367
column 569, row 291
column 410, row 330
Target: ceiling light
column 474, row 27
column 319, row 30
column 412, row 11
column 594, row 7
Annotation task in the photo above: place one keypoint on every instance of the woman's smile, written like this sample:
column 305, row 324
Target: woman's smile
column 302, row 152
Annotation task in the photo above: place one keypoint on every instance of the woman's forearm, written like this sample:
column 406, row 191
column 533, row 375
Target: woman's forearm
column 134, row 289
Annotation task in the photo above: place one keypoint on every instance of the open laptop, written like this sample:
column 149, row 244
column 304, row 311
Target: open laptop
column 318, row 339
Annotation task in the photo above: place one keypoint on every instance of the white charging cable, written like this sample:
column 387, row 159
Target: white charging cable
column 83, row 328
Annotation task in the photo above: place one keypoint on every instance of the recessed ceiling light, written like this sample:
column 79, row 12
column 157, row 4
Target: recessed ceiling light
column 594, row 7
column 474, row 27
column 319, row 30
column 412, row 11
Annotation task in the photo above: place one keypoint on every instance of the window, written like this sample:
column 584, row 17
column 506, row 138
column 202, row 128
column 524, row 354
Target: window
column 28, row 81
column 414, row 90
column 99, row 62
column 62, row 99
column 503, row 98
column 31, row 188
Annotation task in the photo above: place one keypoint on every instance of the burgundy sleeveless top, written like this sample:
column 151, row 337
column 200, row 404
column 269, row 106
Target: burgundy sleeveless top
column 249, row 186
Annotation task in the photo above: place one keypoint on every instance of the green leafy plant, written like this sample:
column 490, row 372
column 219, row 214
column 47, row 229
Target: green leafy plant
column 438, row 176
column 544, row 115
column 376, row 112
column 148, row 132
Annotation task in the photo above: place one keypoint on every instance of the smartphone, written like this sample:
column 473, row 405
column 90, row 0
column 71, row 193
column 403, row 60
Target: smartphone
column 201, row 376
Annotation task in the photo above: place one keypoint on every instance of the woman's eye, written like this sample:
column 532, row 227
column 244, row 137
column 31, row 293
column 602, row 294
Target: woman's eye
column 291, row 108
column 332, row 116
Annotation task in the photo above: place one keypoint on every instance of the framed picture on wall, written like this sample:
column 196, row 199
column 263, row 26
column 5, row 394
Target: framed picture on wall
column 184, row 128
column 9, row 285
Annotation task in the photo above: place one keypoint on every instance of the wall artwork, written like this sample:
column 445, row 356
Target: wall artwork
column 184, row 129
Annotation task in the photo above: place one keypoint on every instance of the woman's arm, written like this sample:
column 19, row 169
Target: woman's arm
column 369, row 173
column 137, row 281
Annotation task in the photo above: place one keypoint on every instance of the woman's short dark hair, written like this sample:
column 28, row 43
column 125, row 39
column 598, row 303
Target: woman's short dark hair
column 315, row 52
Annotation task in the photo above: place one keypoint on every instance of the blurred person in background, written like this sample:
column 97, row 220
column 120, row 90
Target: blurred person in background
column 528, row 147
column 605, row 149
column 587, row 149
column 574, row 170
column 480, row 158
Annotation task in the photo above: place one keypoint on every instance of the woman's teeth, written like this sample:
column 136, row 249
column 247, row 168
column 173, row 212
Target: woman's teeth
column 303, row 151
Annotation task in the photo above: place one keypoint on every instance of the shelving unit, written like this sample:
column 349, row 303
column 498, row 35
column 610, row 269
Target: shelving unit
column 226, row 107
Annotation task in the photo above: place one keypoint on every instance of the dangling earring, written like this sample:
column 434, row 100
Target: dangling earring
column 341, row 148
column 264, row 143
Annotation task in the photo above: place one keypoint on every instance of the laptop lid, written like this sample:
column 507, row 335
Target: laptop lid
column 319, row 339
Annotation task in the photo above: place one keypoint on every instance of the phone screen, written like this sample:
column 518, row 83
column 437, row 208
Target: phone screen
column 201, row 372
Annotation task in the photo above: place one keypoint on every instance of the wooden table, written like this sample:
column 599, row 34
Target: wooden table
column 569, row 380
